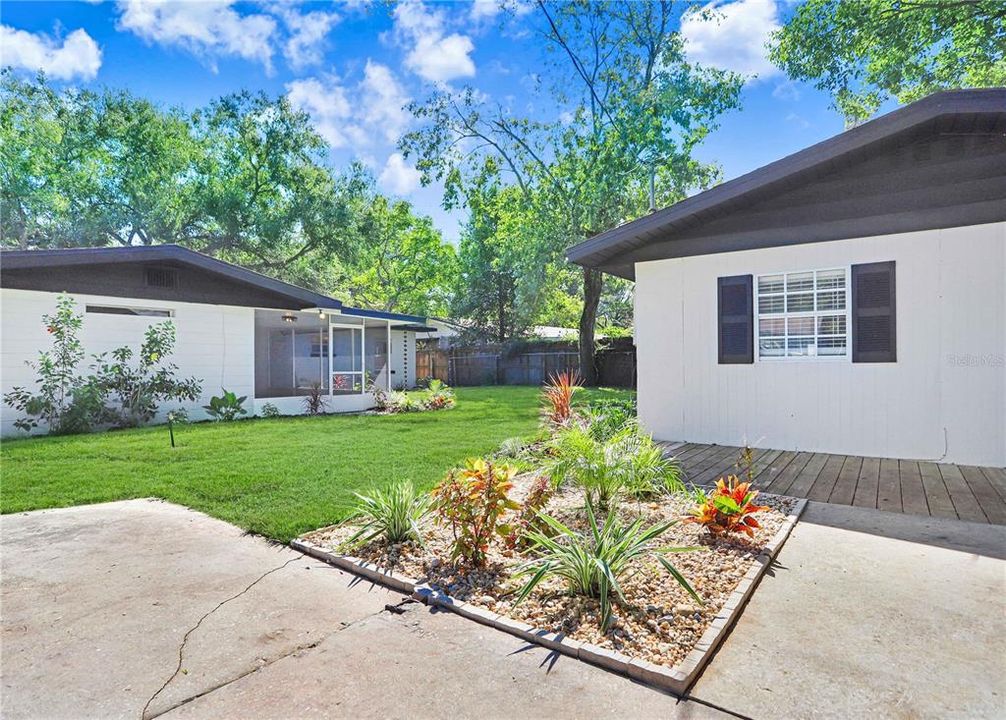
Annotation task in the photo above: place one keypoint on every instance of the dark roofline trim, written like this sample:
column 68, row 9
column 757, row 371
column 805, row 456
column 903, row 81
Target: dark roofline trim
column 382, row 315
column 28, row 259
column 619, row 239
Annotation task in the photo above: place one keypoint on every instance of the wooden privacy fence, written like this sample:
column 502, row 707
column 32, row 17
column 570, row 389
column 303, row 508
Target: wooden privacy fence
column 616, row 367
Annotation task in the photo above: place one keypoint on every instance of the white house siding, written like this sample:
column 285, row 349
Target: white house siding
column 944, row 398
column 215, row 343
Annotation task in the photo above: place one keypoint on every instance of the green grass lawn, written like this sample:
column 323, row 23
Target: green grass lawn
column 277, row 477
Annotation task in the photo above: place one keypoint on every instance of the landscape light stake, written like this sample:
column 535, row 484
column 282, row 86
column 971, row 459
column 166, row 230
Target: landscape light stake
column 171, row 430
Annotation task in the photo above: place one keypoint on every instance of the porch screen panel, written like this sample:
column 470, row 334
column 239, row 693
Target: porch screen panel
column 347, row 361
column 376, row 356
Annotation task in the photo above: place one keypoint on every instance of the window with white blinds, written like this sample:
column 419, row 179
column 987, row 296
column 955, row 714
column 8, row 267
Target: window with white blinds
column 803, row 315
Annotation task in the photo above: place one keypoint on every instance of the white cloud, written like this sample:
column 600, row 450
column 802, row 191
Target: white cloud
column 430, row 52
column 326, row 102
column 786, row 90
column 798, row 120
column 732, row 36
column 383, row 102
column 208, row 29
column 483, row 10
column 398, row 177
column 360, row 115
column 306, row 43
column 78, row 55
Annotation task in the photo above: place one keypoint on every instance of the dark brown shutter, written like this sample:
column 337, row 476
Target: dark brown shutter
column 874, row 336
column 735, row 307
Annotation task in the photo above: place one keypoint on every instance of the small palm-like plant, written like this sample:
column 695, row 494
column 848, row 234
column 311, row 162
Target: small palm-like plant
column 629, row 463
column 594, row 564
column 396, row 514
column 558, row 397
column 440, row 395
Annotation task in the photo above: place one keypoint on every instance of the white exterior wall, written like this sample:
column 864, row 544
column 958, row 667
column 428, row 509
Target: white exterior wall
column 403, row 359
column 214, row 343
column 944, row 398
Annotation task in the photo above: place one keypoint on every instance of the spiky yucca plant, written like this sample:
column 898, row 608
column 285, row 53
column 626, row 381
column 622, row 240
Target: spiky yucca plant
column 594, row 564
column 396, row 513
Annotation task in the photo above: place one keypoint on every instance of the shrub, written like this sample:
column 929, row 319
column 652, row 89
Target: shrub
column 439, row 397
column 470, row 502
column 728, row 508
column 627, row 463
column 395, row 514
column 226, row 407
column 270, row 411
column 606, row 418
column 138, row 390
column 64, row 401
column 528, row 515
column 593, row 564
column 558, row 398
column 315, row 402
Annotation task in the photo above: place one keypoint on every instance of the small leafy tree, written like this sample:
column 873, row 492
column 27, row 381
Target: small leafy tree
column 64, row 401
column 138, row 389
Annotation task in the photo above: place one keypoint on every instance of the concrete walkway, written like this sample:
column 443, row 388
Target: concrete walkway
column 144, row 607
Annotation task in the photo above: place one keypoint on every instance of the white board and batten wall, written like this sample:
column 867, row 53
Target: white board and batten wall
column 214, row 343
column 944, row 399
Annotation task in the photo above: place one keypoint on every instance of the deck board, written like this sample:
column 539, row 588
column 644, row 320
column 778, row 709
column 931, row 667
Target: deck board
column 845, row 486
column 825, row 483
column 804, row 481
column 913, row 494
column 914, row 487
column 964, row 501
column 988, row 499
column 889, row 486
column 868, row 483
column 936, row 491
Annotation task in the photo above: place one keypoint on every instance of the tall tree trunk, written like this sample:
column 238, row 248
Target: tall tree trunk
column 593, row 281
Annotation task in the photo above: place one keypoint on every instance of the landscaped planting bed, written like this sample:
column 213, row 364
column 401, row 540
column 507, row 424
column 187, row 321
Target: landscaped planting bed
column 659, row 622
column 584, row 540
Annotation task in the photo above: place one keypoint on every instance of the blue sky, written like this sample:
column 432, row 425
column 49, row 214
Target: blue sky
column 353, row 65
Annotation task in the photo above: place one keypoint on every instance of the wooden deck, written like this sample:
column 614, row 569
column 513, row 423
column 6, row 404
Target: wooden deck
column 966, row 492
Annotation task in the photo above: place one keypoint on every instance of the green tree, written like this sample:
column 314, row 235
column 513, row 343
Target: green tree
column 485, row 299
column 623, row 102
column 402, row 264
column 866, row 51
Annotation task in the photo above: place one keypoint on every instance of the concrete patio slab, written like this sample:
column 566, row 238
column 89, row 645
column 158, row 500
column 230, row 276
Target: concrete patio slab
column 103, row 605
column 871, row 614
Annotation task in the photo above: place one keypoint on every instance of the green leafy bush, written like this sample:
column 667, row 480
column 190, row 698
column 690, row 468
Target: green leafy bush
column 439, row 396
column 117, row 392
column 226, row 407
column 471, row 501
column 270, row 411
column 137, row 390
column 396, row 514
column 628, row 463
column 605, row 418
column 593, row 564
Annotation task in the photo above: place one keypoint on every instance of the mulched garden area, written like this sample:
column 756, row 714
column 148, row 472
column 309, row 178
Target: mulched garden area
column 658, row 620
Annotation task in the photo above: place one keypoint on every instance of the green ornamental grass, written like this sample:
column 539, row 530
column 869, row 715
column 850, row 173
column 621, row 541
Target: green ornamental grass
column 594, row 564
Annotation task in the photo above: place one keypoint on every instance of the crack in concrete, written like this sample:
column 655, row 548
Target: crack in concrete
column 185, row 638
column 394, row 609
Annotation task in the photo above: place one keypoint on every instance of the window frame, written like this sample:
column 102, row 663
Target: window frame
column 815, row 313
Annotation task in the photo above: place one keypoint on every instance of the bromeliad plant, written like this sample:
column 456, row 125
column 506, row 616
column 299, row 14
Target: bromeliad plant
column 558, row 398
column 471, row 501
column 396, row 514
column 728, row 508
column 594, row 564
